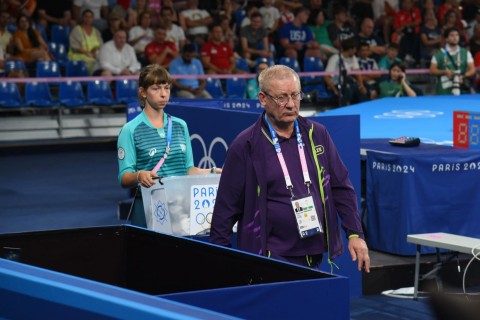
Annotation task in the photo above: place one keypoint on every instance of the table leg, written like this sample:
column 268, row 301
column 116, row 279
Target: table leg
column 438, row 278
column 417, row 273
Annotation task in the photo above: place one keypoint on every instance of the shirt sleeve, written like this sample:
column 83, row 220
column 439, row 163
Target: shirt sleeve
column 127, row 156
column 332, row 63
column 134, row 65
column 469, row 57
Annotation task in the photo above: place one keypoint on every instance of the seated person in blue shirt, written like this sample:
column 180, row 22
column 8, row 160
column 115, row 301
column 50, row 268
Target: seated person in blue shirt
column 154, row 143
column 187, row 64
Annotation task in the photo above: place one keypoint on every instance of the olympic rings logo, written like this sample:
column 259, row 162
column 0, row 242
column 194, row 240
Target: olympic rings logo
column 409, row 114
column 202, row 218
column 207, row 161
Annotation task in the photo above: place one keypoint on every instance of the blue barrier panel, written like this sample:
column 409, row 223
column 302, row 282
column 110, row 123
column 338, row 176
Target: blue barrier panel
column 248, row 105
column 139, row 269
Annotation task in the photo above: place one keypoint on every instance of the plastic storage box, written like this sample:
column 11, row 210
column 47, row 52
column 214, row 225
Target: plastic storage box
column 183, row 205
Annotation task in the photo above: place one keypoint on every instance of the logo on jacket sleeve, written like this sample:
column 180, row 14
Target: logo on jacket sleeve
column 319, row 150
column 121, row 153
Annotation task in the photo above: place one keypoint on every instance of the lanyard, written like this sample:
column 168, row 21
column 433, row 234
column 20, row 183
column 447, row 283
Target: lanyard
column 167, row 150
column 283, row 165
column 459, row 59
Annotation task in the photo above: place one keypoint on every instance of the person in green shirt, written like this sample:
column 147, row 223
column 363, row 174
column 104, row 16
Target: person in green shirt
column 320, row 32
column 452, row 65
column 397, row 85
column 154, row 144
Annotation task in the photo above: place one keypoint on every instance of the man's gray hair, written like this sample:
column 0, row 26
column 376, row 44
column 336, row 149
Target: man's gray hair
column 278, row 71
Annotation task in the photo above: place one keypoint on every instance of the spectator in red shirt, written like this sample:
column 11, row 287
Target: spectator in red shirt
column 446, row 6
column 217, row 56
column 160, row 51
column 406, row 23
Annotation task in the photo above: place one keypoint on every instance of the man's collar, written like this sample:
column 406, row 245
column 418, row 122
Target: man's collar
column 451, row 49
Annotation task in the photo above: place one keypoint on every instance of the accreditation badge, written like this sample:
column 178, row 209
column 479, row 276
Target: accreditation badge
column 306, row 217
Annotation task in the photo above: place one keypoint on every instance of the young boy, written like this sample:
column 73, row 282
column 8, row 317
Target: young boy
column 368, row 64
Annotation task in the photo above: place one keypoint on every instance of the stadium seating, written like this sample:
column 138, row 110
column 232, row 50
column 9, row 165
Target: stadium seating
column 126, row 91
column 99, row 93
column 60, row 34
column 269, row 61
column 10, row 95
column 15, row 65
column 236, row 88
column 290, row 62
column 242, row 64
column 76, row 69
column 214, row 87
column 315, row 83
column 37, row 94
column 59, row 51
column 48, row 69
column 70, row 94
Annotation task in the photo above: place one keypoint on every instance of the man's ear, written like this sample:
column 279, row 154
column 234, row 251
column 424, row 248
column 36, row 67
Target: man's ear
column 262, row 97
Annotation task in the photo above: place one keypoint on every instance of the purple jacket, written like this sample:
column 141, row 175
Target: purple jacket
column 242, row 190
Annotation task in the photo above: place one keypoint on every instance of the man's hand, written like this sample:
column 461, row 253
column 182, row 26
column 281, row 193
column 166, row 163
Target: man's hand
column 449, row 73
column 359, row 251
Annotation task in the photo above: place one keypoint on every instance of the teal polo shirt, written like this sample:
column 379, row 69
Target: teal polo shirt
column 140, row 146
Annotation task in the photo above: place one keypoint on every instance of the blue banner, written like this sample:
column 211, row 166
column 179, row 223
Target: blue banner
column 249, row 105
column 431, row 190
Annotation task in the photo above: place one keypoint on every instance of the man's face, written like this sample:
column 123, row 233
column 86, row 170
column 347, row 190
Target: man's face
column 187, row 57
column 392, row 53
column 217, row 34
column 453, row 38
column 367, row 27
column 120, row 39
column 342, row 17
column 160, row 35
column 167, row 15
column 364, row 52
column 303, row 16
column 146, row 19
column 407, row 5
column 285, row 113
column 256, row 23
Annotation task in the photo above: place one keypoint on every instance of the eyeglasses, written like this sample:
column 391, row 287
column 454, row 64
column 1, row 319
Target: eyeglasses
column 283, row 100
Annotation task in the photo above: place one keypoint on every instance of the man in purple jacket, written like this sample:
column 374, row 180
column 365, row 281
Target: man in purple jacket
column 280, row 160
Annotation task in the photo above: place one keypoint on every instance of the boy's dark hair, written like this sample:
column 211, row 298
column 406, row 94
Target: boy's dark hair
column 188, row 48
column 300, row 10
column 256, row 15
column 337, row 9
column 399, row 64
column 363, row 44
column 348, row 44
column 447, row 31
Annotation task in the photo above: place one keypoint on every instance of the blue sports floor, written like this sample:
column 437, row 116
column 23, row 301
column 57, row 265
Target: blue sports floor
column 428, row 117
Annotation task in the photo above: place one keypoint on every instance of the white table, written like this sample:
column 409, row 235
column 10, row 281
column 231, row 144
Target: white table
column 440, row 240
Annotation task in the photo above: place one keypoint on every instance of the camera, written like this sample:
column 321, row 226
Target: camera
column 456, row 83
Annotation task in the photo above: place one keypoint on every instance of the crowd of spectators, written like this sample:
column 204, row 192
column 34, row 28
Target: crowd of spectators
column 118, row 37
